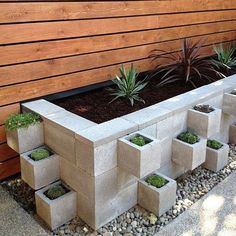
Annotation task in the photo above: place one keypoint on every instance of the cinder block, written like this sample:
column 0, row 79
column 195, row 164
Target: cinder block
column 216, row 159
column 204, row 124
column 157, row 200
column 232, row 134
column 136, row 160
column 25, row 139
column 166, row 150
column 125, row 179
column 229, row 104
column 38, row 174
column 56, row 212
column 96, row 160
column 150, row 130
column 187, row 155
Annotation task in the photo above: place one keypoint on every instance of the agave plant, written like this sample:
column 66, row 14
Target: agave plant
column 128, row 86
column 186, row 65
column 225, row 57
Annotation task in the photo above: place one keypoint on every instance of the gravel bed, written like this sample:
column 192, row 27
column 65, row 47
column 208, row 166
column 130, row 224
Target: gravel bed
column 137, row 221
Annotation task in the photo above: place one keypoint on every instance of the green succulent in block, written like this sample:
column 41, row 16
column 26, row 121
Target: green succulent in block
column 22, row 120
column 156, row 181
column 138, row 140
column 214, row 144
column 55, row 191
column 188, row 137
column 40, row 154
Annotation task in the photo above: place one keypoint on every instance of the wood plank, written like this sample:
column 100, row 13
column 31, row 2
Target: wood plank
column 54, row 67
column 6, row 152
column 52, row 49
column 7, row 110
column 23, row 12
column 57, row 84
column 9, row 168
column 67, row 29
column 2, row 134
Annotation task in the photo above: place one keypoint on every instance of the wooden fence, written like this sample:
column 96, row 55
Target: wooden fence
column 49, row 47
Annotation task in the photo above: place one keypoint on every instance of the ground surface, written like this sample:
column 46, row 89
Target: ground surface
column 214, row 214
column 14, row 220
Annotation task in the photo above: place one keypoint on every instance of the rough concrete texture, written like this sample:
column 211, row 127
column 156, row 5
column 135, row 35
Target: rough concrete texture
column 15, row 221
column 216, row 159
column 232, row 134
column 136, row 160
column 213, row 215
column 25, row 139
column 157, row 200
column 38, row 174
column 58, row 211
column 229, row 102
column 204, row 124
column 187, row 155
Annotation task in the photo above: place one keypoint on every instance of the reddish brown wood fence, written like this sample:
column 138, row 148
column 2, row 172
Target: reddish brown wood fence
column 49, row 47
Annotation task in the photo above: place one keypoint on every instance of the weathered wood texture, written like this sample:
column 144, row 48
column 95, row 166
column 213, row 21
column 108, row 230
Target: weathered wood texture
column 49, row 47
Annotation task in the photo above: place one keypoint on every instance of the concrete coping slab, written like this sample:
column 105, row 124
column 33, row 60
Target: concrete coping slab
column 42, row 107
column 69, row 121
column 106, row 132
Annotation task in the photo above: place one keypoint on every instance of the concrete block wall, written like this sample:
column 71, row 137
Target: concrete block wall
column 89, row 151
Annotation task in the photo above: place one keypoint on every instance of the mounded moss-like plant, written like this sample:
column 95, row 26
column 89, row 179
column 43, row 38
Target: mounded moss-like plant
column 156, row 181
column 56, row 191
column 214, row 144
column 188, row 137
column 138, row 140
column 204, row 108
column 39, row 154
column 22, row 120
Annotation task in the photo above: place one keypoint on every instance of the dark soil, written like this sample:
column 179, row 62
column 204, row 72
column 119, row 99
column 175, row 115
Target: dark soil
column 95, row 105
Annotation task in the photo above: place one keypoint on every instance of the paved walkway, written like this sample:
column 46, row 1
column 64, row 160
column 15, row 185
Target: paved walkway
column 213, row 215
column 14, row 220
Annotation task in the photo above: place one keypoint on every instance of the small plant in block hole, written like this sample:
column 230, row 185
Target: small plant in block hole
column 204, row 108
column 40, row 154
column 188, row 137
column 139, row 140
column 156, row 180
column 214, row 144
column 56, row 191
column 233, row 92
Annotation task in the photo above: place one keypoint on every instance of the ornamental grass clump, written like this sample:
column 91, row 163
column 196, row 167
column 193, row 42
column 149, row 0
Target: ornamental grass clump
column 138, row 140
column 56, row 191
column 39, row 154
column 128, row 86
column 204, row 108
column 214, row 144
column 156, row 181
column 187, row 66
column 23, row 120
column 188, row 137
column 225, row 56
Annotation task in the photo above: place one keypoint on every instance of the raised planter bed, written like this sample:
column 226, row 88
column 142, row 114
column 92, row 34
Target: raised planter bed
column 232, row 133
column 229, row 103
column 58, row 211
column 189, row 155
column 139, row 160
column 39, row 173
column 206, row 124
column 158, row 200
column 216, row 157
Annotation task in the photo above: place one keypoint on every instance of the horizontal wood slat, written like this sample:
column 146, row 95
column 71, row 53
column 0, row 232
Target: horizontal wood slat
column 44, row 87
column 42, row 69
column 7, row 110
column 2, row 134
column 69, row 29
column 23, row 12
column 10, row 167
column 6, row 152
